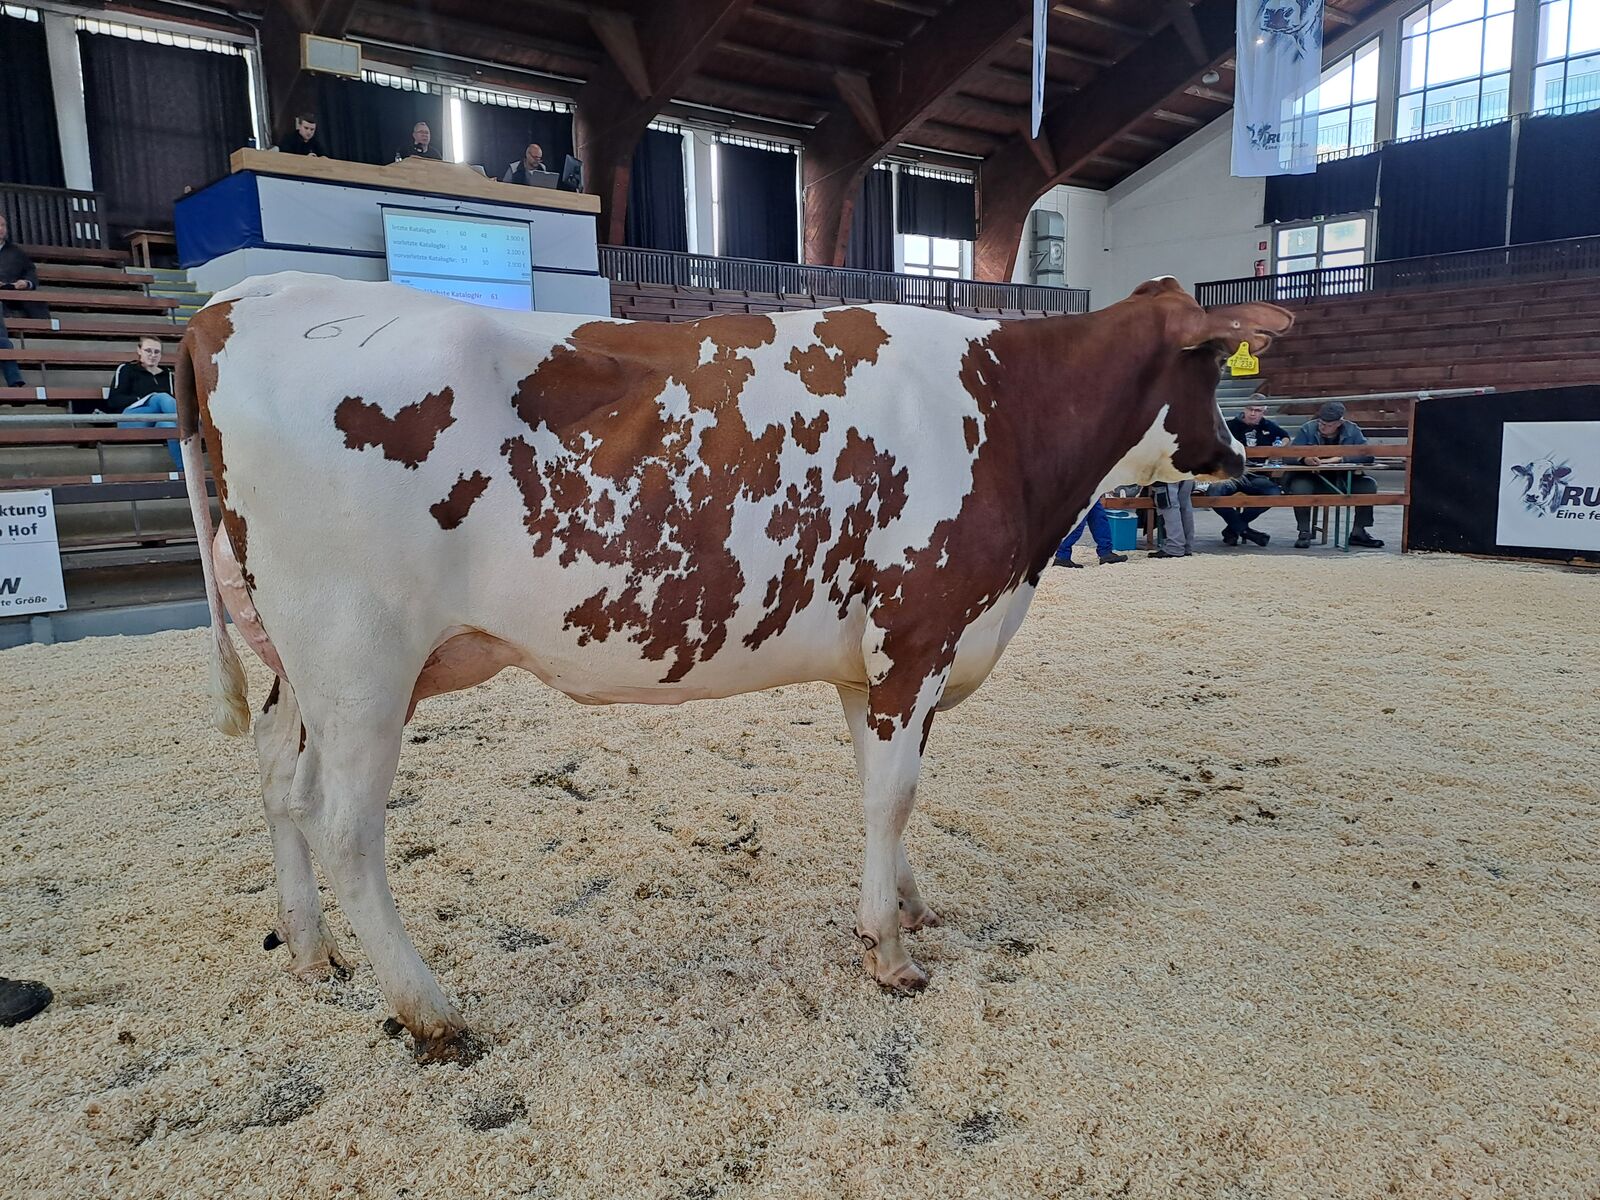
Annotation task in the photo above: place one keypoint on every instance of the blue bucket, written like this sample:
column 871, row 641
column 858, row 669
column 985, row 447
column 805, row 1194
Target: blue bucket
column 1124, row 530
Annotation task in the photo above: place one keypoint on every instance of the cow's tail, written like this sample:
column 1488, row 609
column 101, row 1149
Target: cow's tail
column 230, row 710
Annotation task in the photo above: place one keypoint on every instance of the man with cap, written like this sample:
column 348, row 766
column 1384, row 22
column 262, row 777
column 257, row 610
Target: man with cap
column 1331, row 429
column 1252, row 428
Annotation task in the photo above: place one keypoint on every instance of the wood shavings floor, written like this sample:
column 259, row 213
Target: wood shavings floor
column 1218, row 924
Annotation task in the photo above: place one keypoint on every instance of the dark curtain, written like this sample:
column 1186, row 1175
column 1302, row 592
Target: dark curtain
column 871, row 245
column 162, row 119
column 1346, row 186
column 938, row 208
column 1558, row 178
column 757, row 203
column 30, row 150
column 658, row 211
column 1444, row 193
column 497, row 136
column 367, row 122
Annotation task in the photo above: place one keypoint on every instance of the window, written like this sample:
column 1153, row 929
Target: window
column 1567, row 76
column 1455, row 65
column 1312, row 245
column 940, row 257
column 1344, row 107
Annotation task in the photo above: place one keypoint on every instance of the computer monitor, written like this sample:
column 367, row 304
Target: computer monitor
column 571, row 175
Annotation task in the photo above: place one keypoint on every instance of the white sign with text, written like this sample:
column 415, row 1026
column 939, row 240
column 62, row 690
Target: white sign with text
column 1550, row 485
column 30, row 558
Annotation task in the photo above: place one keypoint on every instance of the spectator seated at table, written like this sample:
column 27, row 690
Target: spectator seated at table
column 140, row 387
column 1331, row 429
column 421, row 144
column 18, row 275
column 1252, row 428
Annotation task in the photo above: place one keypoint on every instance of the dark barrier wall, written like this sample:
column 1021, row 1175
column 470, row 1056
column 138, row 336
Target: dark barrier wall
column 1456, row 469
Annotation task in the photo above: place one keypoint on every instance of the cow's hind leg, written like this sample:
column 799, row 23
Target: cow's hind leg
column 312, row 952
column 889, row 756
column 914, row 910
column 338, row 800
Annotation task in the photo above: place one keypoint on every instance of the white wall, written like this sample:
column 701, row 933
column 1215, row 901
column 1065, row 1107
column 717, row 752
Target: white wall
column 1084, row 211
column 1184, row 215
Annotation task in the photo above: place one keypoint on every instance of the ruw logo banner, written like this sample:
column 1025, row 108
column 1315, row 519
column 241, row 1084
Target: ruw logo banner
column 1280, row 63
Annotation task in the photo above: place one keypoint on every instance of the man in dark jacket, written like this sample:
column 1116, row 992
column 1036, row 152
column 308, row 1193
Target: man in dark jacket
column 304, row 138
column 1331, row 429
column 421, row 144
column 1252, row 428
column 17, row 274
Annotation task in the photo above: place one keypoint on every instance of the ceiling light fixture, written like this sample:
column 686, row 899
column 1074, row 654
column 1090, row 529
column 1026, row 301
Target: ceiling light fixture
column 1210, row 77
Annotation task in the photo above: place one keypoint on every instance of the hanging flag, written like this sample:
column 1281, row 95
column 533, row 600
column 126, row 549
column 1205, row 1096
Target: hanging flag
column 1041, row 37
column 1279, row 64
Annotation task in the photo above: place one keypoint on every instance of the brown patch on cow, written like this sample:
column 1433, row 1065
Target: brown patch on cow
column 846, row 338
column 808, row 434
column 640, row 409
column 464, row 493
column 302, row 738
column 204, row 339
column 272, row 696
column 408, row 437
column 969, row 428
column 803, row 516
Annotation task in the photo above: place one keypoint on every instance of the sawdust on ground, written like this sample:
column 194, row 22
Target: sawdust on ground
column 1270, row 877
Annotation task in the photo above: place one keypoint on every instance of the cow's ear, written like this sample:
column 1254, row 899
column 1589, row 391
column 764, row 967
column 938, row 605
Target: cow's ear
column 1224, row 328
column 1562, row 472
column 1519, row 469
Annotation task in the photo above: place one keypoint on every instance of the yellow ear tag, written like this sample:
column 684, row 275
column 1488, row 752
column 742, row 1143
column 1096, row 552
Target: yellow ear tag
column 1243, row 362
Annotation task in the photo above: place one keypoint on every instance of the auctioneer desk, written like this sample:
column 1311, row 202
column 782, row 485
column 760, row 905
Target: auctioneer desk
column 287, row 212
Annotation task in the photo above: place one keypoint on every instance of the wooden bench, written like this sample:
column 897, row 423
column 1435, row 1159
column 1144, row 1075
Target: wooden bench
column 141, row 240
column 1322, row 502
column 77, row 254
column 91, row 275
column 84, row 298
column 132, row 547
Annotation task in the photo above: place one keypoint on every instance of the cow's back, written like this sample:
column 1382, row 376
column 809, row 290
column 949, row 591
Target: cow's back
column 695, row 508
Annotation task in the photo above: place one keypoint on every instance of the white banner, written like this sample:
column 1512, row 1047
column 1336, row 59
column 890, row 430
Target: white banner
column 30, row 559
column 1550, row 485
column 1279, row 56
column 1041, row 38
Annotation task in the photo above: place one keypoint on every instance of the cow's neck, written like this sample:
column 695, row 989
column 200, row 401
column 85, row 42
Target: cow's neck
column 1080, row 393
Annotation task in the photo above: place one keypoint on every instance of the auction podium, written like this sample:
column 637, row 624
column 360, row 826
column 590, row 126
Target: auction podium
column 288, row 212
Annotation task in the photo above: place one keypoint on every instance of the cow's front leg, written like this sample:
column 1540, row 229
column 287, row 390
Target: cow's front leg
column 338, row 801
column 888, row 741
column 312, row 951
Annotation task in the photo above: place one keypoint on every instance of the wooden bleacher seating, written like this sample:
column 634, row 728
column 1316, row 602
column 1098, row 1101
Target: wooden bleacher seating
column 1511, row 335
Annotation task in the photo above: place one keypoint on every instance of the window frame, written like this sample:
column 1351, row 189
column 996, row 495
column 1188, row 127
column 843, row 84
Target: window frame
column 1565, row 61
column 1368, row 215
column 1424, row 39
column 1302, row 114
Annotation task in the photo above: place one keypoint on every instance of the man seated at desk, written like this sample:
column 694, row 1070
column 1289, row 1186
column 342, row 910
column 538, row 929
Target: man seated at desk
column 304, row 138
column 421, row 144
column 527, row 168
column 1331, row 429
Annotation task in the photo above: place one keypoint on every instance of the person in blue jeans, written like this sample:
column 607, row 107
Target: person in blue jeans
column 1100, row 529
column 142, row 386
column 8, row 367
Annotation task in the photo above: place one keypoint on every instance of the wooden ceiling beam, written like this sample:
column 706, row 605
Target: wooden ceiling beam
column 1081, row 127
column 1177, row 118
column 1183, row 21
column 1068, row 53
column 906, row 87
column 826, row 29
column 674, row 37
column 620, row 36
column 1094, row 18
column 507, row 40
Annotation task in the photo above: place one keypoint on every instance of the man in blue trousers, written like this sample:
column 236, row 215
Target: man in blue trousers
column 1100, row 529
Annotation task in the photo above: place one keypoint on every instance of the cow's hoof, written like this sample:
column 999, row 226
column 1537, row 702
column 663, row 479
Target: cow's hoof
column 459, row 1046
column 919, row 917
column 330, row 964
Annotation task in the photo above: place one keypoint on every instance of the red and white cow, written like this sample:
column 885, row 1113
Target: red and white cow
column 416, row 494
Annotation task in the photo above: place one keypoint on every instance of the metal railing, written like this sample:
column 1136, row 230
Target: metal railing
column 44, row 216
column 626, row 264
column 1533, row 260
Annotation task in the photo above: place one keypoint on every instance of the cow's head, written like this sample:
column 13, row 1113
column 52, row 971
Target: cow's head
column 1542, row 482
column 1191, row 440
